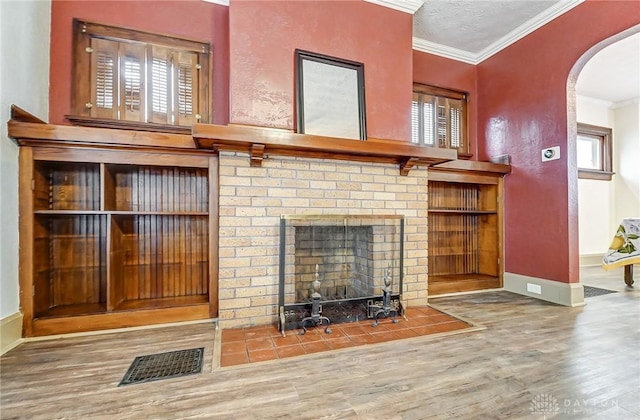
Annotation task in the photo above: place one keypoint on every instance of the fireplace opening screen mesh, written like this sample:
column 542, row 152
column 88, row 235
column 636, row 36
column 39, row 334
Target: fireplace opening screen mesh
column 350, row 256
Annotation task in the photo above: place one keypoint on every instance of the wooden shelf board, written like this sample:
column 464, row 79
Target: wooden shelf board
column 463, row 211
column 474, row 166
column 26, row 133
column 459, row 277
column 280, row 142
column 121, row 212
column 71, row 310
column 156, row 213
column 453, row 283
column 124, row 319
column 68, row 212
column 448, row 253
column 126, row 125
column 168, row 302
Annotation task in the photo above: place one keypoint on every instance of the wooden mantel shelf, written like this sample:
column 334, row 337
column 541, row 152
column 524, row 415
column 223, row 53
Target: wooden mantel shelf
column 260, row 141
column 474, row 166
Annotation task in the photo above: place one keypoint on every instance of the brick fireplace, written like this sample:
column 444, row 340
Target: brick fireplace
column 253, row 199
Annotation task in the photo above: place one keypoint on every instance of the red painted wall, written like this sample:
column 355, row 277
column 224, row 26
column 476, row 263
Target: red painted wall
column 523, row 109
column 264, row 35
column 193, row 19
column 438, row 71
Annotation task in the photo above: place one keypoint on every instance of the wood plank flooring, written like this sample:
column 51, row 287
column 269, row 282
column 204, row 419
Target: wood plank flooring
column 585, row 361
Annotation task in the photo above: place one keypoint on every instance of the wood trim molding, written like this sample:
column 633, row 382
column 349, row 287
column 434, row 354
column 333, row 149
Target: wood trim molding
column 473, row 166
column 594, row 174
column 19, row 114
column 10, row 332
column 239, row 138
column 126, row 125
column 29, row 133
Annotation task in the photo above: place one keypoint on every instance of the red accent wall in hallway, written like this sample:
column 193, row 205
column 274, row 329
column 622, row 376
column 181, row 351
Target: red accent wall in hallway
column 192, row 19
column 523, row 109
column 438, row 71
column 264, row 35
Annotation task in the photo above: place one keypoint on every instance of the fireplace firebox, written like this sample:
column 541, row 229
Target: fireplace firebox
column 339, row 268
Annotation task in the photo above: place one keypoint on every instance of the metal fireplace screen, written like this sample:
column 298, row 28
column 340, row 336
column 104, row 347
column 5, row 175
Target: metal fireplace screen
column 347, row 260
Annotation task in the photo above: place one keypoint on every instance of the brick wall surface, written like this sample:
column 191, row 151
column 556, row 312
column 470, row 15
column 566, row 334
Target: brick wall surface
column 252, row 200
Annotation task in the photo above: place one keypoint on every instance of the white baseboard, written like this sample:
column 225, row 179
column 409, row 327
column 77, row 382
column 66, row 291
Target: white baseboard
column 10, row 332
column 588, row 260
column 567, row 294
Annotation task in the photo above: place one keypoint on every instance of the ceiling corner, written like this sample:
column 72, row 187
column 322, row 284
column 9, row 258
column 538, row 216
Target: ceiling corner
column 444, row 51
column 528, row 27
column 407, row 6
column 220, row 2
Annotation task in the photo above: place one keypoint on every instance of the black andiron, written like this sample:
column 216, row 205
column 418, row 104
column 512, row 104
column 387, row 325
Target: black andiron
column 386, row 307
column 316, row 318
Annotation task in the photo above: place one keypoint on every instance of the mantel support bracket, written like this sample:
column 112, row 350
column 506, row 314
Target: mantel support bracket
column 407, row 164
column 257, row 154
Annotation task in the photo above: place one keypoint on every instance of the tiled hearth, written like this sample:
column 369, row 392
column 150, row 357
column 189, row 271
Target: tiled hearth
column 262, row 343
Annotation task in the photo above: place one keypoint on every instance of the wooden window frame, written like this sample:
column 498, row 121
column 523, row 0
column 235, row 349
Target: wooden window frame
column 81, row 83
column 605, row 136
column 464, row 148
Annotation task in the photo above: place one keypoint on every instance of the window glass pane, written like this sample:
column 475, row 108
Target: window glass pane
column 160, row 79
column 185, row 89
column 132, row 83
column 589, row 156
column 104, row 80
column 455, row 127
column 429, row 129
column 415, row 122
column 442, row 126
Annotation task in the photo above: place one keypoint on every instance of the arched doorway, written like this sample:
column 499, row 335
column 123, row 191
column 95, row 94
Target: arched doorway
column 603, row 92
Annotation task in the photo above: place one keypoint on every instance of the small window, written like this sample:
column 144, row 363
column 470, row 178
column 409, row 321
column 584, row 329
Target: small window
column 594, row 152
column 125, row 78
column 439, row 118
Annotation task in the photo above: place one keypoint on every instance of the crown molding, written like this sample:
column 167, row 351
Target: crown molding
column 607, row 104
column 407, row 6
column 502, row 43
column 420, row 44
column 622, row 104
column 594, row 101
column 220, row 2
column 529, row 26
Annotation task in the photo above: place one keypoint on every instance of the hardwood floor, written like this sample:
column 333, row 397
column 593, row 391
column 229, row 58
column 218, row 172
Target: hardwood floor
column 573, row 362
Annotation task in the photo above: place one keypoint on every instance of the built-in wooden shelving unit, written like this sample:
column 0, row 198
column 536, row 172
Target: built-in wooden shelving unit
column 116, row 228
column 465, row 226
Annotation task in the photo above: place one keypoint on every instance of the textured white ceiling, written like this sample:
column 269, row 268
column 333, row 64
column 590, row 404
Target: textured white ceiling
column 473, row 25
column 613, row 74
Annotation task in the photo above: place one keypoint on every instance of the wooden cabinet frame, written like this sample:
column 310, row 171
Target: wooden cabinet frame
column 80, row 232
column 466, row 249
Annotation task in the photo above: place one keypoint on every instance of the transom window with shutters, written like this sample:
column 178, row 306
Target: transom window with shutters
column 127, row 78
column 439, row 118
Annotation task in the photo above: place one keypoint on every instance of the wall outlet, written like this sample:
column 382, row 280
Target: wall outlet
column 534, row 288
column 550, row 153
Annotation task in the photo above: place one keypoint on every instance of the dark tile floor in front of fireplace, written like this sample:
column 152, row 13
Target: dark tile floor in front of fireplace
column 259, row 344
